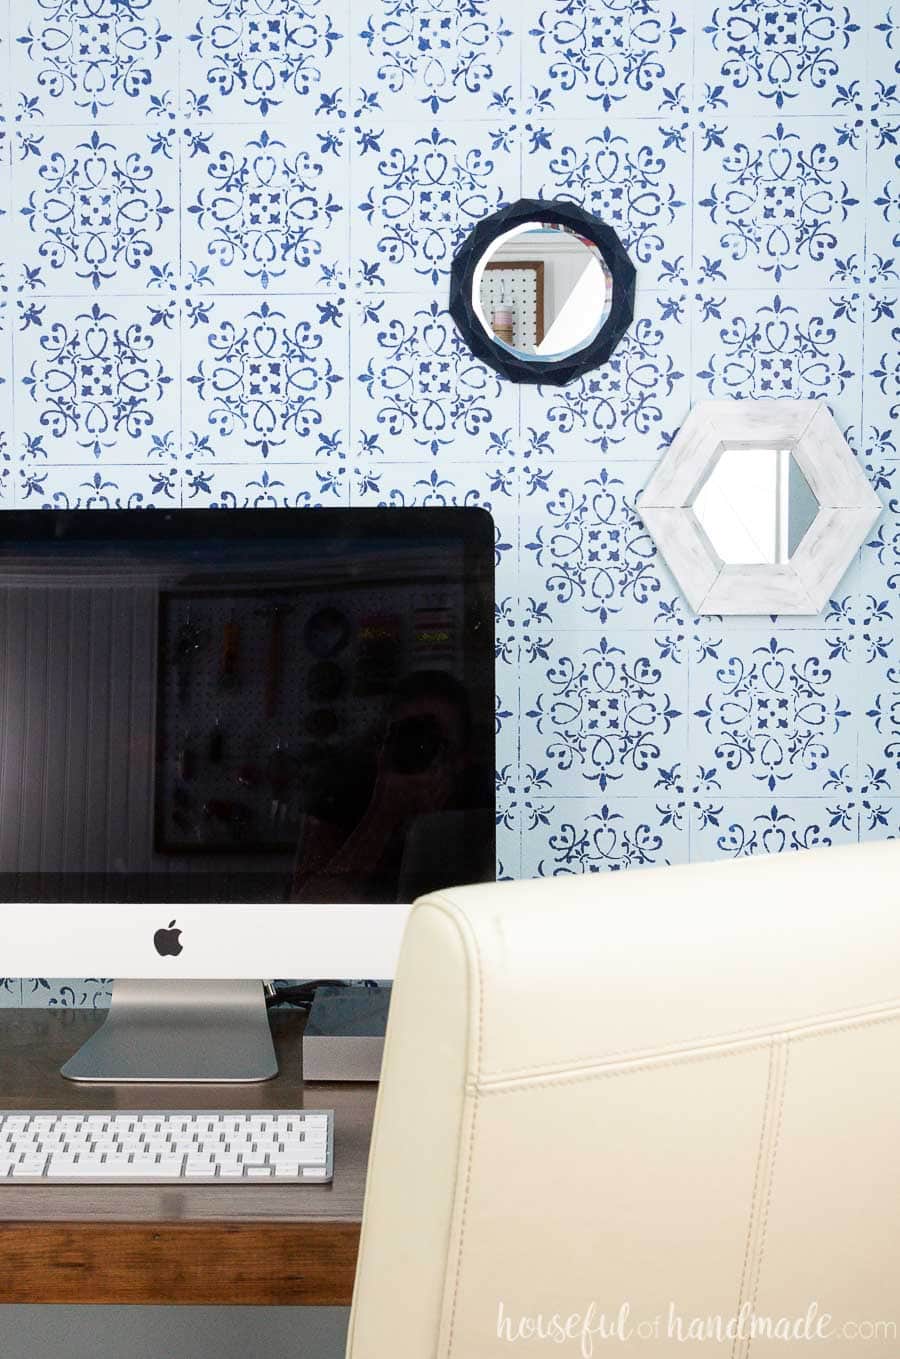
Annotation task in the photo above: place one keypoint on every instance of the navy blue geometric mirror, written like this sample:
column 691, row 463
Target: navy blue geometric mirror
column 542, row 291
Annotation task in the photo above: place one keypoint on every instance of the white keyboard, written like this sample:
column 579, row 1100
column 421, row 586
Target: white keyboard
column 284, row 1146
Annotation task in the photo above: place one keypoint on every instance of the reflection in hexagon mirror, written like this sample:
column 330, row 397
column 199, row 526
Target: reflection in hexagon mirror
column 736, row 518
column 755, row 506
column 542, row 290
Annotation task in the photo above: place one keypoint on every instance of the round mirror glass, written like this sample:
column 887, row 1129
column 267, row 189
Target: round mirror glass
column 542, row 291
column 755, row 506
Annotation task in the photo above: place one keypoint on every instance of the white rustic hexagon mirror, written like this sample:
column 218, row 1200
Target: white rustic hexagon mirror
column 759, row 507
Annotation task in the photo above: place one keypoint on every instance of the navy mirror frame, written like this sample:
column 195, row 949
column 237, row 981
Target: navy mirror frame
column 555, row 372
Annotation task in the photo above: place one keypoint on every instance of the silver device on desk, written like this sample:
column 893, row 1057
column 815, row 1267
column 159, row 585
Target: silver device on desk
column 232, row 741
column 146, row 1146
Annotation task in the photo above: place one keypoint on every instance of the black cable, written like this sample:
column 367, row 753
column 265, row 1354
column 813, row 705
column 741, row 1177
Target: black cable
column 300, row 995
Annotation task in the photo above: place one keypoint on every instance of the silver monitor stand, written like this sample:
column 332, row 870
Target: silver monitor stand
column 181, row 1031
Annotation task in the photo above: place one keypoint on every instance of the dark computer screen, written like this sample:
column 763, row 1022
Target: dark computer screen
column 245, row 705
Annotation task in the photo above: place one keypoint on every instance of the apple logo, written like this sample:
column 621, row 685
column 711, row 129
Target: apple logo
column 167, row 942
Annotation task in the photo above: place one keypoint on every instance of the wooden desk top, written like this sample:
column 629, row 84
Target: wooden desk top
column 266, row 1244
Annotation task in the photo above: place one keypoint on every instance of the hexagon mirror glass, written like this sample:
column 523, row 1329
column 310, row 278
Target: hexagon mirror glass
column 542, row 291
column 755, row 506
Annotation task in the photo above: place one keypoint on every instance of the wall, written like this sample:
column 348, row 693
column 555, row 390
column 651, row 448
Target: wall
column 229, row 226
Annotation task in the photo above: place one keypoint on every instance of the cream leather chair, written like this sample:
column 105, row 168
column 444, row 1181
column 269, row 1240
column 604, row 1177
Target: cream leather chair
column 669, row 1088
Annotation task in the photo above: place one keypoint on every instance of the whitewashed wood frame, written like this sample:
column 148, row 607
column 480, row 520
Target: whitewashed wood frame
column 848, row 507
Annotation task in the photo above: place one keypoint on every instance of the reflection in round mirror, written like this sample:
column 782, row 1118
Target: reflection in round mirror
column 542, row 291
column 755, row 506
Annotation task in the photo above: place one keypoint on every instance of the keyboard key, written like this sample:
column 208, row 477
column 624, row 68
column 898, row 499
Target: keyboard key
column 35, row 1167
column 314, row 1156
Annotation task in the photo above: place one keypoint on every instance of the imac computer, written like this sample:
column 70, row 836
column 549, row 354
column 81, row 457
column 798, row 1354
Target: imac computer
column 235, row 745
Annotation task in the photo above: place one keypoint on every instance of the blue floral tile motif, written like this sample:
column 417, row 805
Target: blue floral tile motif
column 95, row 210
column 508, row 820
column 268, row 380
column 97, row 381
column 406, row 483
column 264, row 56
column 509, row 854
column 776, row 712
column 759, row 826
column 634, row 174
column 433, row 55
column 7, row 440
column 508, row 792
column 584, row 56
column 587, row 555
column 599, row 711
column 879, row 745
column 265, row 210
column 88, row 488
column 879, row 574
column 506, row 647
column 236, row 486
column 803, row 56
column 417, row 389
column 879, row 818
column 883, row 243
column 72, row 993
column 582, row 835
column 632, row 405
column 861, row 607
column 80, row 60
column 884, row 89
column 417, row 193
column 797, row 345
column 522, row 796
column 881, row 382
column 401, row 484
column 5, row 188
column 782, row 200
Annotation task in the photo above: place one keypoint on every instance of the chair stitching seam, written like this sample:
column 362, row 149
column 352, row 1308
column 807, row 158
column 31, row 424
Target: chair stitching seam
column 771, row 1178
column 572, row 1077
column 463, row 927
column 757, row 1180
column 475, row 1091
column 766, row 1036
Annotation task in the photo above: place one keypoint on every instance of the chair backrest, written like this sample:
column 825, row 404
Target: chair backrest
column 641, row 1100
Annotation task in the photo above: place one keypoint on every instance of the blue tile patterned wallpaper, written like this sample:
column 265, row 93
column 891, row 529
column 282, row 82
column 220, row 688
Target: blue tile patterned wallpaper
column 227, row 232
